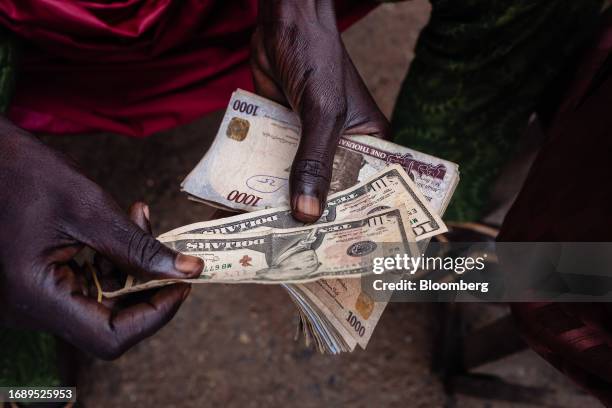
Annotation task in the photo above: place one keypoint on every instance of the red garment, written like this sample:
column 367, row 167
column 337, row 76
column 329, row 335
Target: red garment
column 131, row 66
column 566, row 197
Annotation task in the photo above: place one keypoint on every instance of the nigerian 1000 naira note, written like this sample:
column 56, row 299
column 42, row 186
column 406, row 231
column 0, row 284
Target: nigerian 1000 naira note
column 247, row 167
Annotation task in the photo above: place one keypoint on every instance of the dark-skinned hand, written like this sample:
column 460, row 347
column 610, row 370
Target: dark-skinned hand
column 48, row 212
column 298, row 59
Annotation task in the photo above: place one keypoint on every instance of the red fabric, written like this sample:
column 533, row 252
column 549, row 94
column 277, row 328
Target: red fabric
column 566, row 197
column 133, row 67
column 575, row 338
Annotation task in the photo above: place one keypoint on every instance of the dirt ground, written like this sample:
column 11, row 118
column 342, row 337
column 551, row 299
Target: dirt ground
column 233, row 345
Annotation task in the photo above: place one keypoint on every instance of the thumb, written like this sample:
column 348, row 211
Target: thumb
column 312, row 167
column 129, row 246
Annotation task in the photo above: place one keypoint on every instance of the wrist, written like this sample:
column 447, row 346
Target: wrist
column 271, row 11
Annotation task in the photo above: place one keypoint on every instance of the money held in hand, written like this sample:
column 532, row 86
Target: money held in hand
column 380, row 193
column 389, row 188
column 338, row 249
column 247, row 167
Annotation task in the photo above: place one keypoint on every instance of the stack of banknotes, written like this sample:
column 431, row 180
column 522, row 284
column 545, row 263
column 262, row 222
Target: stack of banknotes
column 385, row 199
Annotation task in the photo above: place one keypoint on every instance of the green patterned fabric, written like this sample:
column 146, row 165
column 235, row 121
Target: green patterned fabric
column 7, row 70
column 480, row 70
column 26, row 358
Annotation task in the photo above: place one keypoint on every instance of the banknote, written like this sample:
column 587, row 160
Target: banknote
column 348, row 305
column 345, row 304
column 317, row 322
column 247, row 167
column 390, row 187
column 343, row 248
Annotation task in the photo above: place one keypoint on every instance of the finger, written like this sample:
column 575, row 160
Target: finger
column 322, row 123
column 141, row 320
column 93, row 327
column 110, row 232
column 365, row 118
column 109, row 276
column 266, row 86
column 140, row 215
column 263, row 79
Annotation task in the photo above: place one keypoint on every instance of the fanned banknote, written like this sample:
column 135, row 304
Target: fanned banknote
column 391, row 187
column 247, row 169
column 344, row 305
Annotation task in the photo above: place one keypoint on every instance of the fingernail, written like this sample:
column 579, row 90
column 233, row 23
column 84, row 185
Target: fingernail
column 186, row 292
column 188, row 264
column 145, row 211
column 309, row 206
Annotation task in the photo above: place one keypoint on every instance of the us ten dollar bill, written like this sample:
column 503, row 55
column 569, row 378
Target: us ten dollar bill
column 348, row 307
column 303, row 254
column 248, row 165
column 389, row 188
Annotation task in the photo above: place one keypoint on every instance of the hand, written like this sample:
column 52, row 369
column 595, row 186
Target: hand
column 49, row 212
column 298, row 59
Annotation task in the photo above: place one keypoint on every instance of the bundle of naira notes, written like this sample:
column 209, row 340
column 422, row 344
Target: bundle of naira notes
column 385, row 199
